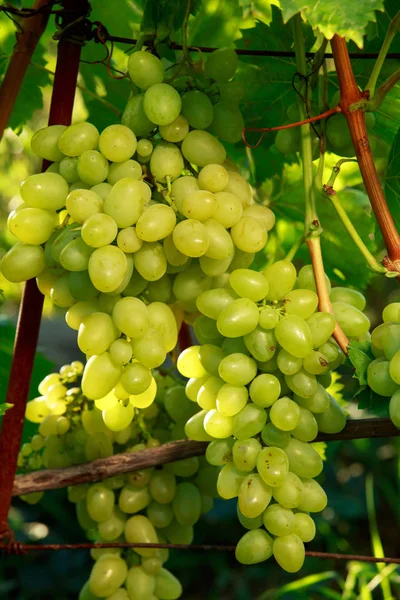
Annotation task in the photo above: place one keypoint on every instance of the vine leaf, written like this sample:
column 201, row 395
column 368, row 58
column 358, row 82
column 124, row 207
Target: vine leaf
column 392, row 181
column 347, row 19
column 360, row 356
column 4, row 407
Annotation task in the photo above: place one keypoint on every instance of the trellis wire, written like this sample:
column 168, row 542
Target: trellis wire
column 20, row 548
column 248, row 52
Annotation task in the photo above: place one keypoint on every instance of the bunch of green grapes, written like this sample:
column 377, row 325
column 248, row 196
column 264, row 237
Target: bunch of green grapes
column 149, row 506
column 383, row 373
column 261, row 379
column 125, row 248
column 201, row 101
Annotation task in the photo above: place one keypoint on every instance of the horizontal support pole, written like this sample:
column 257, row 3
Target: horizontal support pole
column 103, row 468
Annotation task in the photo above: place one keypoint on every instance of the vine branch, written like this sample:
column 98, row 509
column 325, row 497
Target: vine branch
column 27, row 40
column 393, row 28
column 21, row 548
column 264, row 130
column 103, row 468
column 351, row 95
column 312, row 228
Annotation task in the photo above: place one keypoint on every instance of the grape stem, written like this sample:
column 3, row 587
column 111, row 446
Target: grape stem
column 312, row 227
column 351, row 100
column 62, row 101
column 304, row 121
column 382, row 91
column 344, row 217
column 27, row 39
column 393, row 29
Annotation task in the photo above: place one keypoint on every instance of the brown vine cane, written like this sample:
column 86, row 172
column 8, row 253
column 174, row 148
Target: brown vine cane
column 351, row 95
column 62, row 102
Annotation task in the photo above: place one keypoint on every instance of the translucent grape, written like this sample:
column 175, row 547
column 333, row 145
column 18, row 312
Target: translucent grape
column 231, row 399
column 150, row 261
column 191, row 238
column 125, row 202
column 162, row 103
column 353, row 322
column 32, row 225
column 213, row 178
column 220, row 243
column 254, row 496
column 278, row 520
column 22, row 262
column 201, row 148
column 100, row 376
column 249, row 421
column 304, row 527
column 140, row 530
column 289, row 552
column 238, row 318
column 249, row 284
column 82, row 204
column 228, row 121
column 289, row 493
column 166, row 162
column 349, row 296
column 92, row 167
column 237, row 369
column 118, row 416
column 379, row 379
column 313, row 497
column 394, row 409
column 44, row 190
column 302, row 383
column 245, row 453
column 261, row 213
column 175, row 131
column 135, row 118
column 254, row 546
column 221, row 64
column 44, row 142
column 107, row 268
column 78, row 138
column 107, row 575
column 265, row 389
column 229, row 481
column 281, row 277
column 96, row 333
column 200, row 205
column 321, row 325
column 249, row 235
column 128, row 168
column 197, row 109
column 304, row 460
column 155, row 223
column 285, row 414
column 332, row 420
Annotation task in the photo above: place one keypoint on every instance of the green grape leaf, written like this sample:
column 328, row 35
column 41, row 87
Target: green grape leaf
column 122, row 21
column 4, row 406
column 320, row 447
column 392, row 181
column 347, row 19
column 104, row 96
column 368, row 400
column 360, row 357
column 30, row 97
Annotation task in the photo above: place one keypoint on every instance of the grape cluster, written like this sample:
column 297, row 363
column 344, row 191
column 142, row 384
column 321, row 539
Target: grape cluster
column 383, row 374
column 125, row 247
column 148, row 506
column 261, row 386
